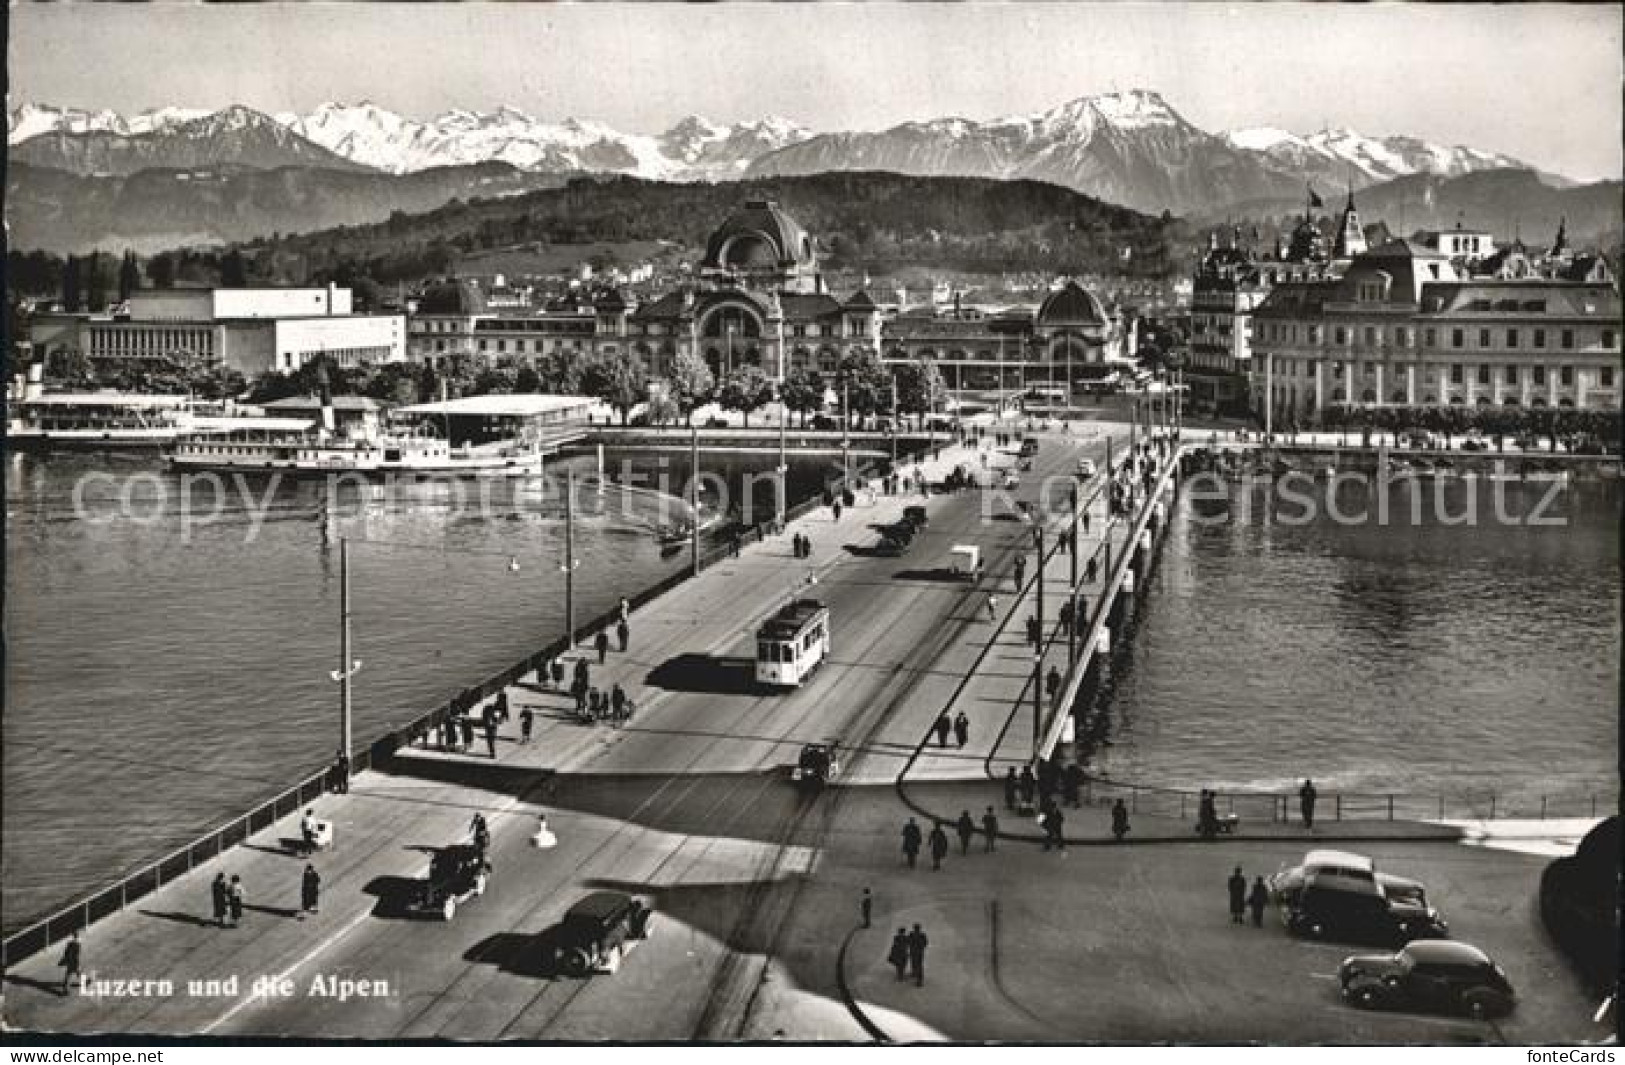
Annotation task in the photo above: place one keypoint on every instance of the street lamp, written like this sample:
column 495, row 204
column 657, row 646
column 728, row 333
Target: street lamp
column 348, row 666
column 1038, row 689
column 569, row 567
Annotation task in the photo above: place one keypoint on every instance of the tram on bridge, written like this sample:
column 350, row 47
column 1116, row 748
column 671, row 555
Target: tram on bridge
column 792, row 643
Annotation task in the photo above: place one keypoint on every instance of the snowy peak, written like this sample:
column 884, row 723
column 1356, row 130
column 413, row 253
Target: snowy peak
column 1343, row 155
column 1135, row 109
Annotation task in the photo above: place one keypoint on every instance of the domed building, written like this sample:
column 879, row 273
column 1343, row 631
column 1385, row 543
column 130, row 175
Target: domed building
column 761, row 247
column 442, row 323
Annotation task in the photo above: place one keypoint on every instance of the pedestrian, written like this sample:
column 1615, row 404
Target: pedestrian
column 1207, row 817
column 866, row 907
column 1238, row 895
column 962, row 729
column 491, row 735
column 623, row 633
column 1085, row 517
column 992, row 604
column 911, row 842
column 220, row 895
column 1021, row 571
column 1053, row 822
column 966, row 828
column 579, row 689
column 1072, row 785
column 527, row 718
column 626, row 610
column 943, row 727
column 916, row 954
column 1052, row 684
column 583, row 673
column 733, row 550
column 617, row 701
column 1035, row 630
column 468, row 732
column 1010, row 785
column 939, row 844
column 990, row 828
column 500, row 709
column 341, row 772
column 73, row 957
column 1306, row 803
column 310, row 889
column 1089, row 570
column 600, row 643
column 898, row 955
column 234, row 897
column 1257, row 899
column 835, row 508
column 1028, row 786
column 557, row 673
column 595, row 704
column 1067, row 614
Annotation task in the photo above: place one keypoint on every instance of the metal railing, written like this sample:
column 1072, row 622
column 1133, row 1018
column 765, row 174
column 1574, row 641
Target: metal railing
column 81, row 913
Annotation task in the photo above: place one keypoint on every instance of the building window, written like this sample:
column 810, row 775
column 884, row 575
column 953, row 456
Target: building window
column 1568, row 338
column 1540, row 375
column 1565, row 376
column 1512, row 338
column 1512, row 375
column 1606, row 376
column 1483, row 338
column 1540, row 338
column 1483, row 374
column 1370, row 337
column 1432, row 338
column 1342, row 335
column 1455, row 373
column 1457, row 338
column 1607, row 338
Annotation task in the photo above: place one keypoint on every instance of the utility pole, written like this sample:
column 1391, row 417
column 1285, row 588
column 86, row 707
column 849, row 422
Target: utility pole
column 1072, row 582
column 348, row 666
column 846, row 434
column 1269, row 395
column 694, row 498
column 569, row 560
column 784, row 465
column 894, row 419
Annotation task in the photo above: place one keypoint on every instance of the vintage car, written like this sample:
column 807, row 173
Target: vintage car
column 1444, row 976
column 456, row 874
column 818, row 765
column 915, row 516
column 1349, row 908
column 1286, row 882
column 596, row 933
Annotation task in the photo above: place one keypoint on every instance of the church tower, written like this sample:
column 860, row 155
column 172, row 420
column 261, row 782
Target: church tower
column 1350, row 235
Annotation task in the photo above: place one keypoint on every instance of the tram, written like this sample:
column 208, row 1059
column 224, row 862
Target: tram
column 792, row 643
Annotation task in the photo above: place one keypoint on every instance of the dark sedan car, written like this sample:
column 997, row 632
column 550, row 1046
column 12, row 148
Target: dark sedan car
column 1434, row 975
column 1352, row 909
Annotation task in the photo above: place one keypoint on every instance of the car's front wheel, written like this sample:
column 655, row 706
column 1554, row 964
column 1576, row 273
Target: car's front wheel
column 1367, row 997
column 576, row 962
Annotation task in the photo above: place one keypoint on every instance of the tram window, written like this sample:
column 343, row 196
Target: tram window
column 763, row 651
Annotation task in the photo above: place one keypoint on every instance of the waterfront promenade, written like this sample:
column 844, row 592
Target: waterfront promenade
column 754, row 882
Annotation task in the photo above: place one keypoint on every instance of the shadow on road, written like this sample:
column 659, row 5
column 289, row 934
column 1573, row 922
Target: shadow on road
column 714, row 674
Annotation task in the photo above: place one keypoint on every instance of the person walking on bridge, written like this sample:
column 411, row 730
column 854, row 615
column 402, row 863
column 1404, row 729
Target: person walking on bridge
column 310, row 889
column 939, row 845
column 73, row 958
column 911, row 842
column 943, row 727
column 1306, row 803
column 527, row 719
column 962, row 729
column 1257, row 899
column 866, row 907
column 491, row 735
column 898, row 955
column 625, row 610
column 1021, row 571
column 623, row 633
column 600, row 643
column 1052, row 684
column 1010, row 786
column 235, row 897
column 1238, row 895
column 992, row 604
column 990, row 828
column 1054, row 821
column 917, row 943
column 966, row 828
column 219, row 895
column 1072, row 785
column 1119, row 820
column 1035, row 631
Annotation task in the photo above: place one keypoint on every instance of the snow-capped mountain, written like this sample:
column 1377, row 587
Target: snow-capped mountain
column 693, row 149
column 30, row 120
column 1340, row 155
column 170, row 138
column 1130, row 148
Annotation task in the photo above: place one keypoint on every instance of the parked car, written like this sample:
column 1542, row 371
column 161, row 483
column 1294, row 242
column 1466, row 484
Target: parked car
column 596, row 933
column 916, row 517
column 1029, row 447
column 1086, row 468
column 456, row 874
column 1437, row 975
column 1330, row 906
column 818, row 765
column 1289, row 879
column 889, row 546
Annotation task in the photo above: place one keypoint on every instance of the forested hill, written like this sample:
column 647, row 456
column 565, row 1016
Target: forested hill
column 872, row 221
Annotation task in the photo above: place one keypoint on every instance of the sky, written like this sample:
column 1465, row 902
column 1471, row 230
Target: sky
column 1541, row 82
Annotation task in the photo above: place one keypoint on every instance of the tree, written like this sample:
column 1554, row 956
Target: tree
column 67, row 365
column 72, row 285
column 662, row 408
column 95, row 284
column 864, row 381
column 803, row 392
column 528, row 379
column 496, row 381
column 920, row 388
column 129, row 276
column 692, row 383
column 618, row 382
column 460, row 374
column 745, row 390
column 161, row 270
column 233, row 270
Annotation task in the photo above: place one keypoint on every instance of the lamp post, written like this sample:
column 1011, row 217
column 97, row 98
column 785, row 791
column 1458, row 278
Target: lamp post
column 1038, row 695
column 894, row 419
column 569, row 566
column 784, row 465
column 348, row 667
column 846, row 431
column 694, row 499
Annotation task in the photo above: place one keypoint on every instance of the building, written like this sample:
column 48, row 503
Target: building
column 250, row 330
column 1402, row 326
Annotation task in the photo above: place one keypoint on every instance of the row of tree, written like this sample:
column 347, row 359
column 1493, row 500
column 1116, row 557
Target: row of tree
column 69, row 369
column 862, row 383
column 88, row 282
column 1570, row 424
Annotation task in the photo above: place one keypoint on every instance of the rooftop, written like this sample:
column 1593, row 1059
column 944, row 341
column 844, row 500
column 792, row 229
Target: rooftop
column 517, row 405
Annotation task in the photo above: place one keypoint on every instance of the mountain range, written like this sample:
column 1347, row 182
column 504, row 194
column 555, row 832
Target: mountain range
column 1130, row 148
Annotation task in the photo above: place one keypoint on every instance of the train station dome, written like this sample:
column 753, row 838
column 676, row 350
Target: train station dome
column 762, row 246
column 452, row 297
column 1072, row 304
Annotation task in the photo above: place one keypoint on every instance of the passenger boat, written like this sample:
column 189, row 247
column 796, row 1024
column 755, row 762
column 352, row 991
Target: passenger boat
column 318, row 453
column 98, row 420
